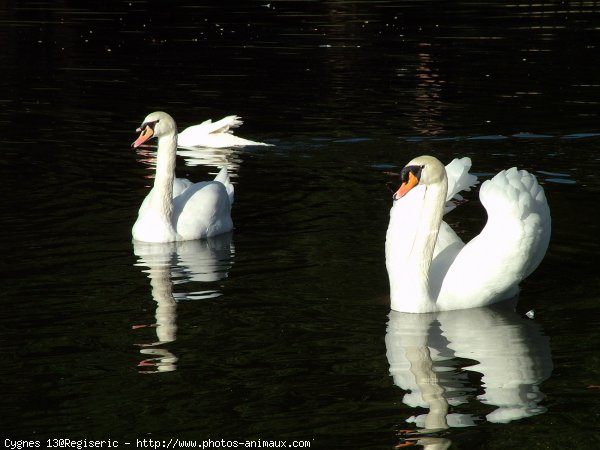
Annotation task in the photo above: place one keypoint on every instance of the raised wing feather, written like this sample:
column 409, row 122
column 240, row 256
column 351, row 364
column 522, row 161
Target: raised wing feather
column 510, row 246
column 223, row 125
column 459, row 179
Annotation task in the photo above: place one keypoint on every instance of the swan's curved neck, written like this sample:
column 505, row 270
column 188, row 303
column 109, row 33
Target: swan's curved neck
column 410, row 250
column 427, row 233
column 165, row 173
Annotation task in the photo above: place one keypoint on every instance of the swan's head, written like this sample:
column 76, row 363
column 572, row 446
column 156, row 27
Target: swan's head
column 156, row 124
column 423, row 171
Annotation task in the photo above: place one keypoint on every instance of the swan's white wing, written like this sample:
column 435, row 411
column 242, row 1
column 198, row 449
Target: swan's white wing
column 194, row 135
column 217, row 134
column 448, row 243
column 180, row 185
column 197, row 135
column 204, row 209
column 514, row 197
column 200, row 209
column 510, row 246
column 459, row 179
column 225, row 124
column 195, row 131
column 208, row 126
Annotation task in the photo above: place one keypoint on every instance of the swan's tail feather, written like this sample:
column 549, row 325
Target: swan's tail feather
column 223, row 177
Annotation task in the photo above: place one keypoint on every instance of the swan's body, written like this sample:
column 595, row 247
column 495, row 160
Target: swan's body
column 431, row 269
column 217, row 134
column 177, row 209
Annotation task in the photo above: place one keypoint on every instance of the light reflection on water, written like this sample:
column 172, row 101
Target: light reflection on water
column 432, row 355
column 178, row 263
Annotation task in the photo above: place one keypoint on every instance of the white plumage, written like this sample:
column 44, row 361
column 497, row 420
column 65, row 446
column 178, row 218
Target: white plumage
column 217, row 134
column 431, row 269
column 176, row 209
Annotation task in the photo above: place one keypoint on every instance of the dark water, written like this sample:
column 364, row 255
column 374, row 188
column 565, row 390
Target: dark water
column 282, row 330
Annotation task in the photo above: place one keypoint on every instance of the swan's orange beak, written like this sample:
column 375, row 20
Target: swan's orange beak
column 406, row 186
column 145, row 134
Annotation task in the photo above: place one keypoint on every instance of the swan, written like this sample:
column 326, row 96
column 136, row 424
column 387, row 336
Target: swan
column 176, row 209
column 217, row 134
column 430, row 268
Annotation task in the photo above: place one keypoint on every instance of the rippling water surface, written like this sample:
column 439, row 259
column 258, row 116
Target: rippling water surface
column 282, row 329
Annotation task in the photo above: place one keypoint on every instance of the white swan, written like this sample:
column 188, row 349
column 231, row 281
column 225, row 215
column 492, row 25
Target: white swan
column 431, row 269
column 217, row 134
column 176, row 209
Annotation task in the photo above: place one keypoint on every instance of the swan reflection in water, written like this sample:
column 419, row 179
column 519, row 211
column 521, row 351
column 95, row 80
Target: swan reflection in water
column 204, row 261
column 427, row 353
column 209, row 157
column 212, row 157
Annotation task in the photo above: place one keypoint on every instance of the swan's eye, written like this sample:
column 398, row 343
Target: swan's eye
column 149, row 124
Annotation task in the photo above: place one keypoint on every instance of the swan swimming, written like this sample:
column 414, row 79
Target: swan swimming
column 431, row 269
column 176, row 209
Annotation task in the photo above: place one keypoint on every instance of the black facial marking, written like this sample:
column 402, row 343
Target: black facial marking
column 149, row 124
column 415, row 170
